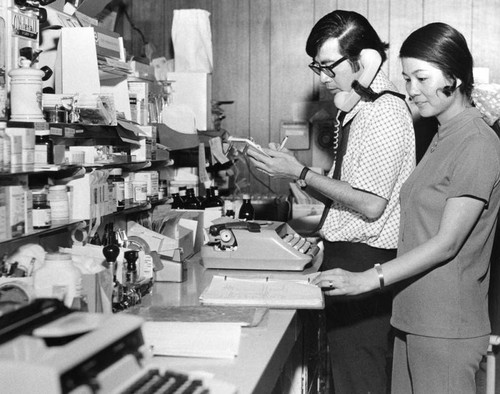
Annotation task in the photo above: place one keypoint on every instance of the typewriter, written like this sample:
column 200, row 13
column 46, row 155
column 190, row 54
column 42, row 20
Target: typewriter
column 47, row 348
column 257, row 245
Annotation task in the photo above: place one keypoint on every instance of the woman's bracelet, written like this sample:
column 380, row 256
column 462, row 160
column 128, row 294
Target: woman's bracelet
column 380, row 273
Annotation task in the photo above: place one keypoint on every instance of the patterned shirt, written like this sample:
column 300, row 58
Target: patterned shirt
column 380, row 156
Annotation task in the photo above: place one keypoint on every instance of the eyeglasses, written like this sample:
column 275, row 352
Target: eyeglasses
column 328, row 70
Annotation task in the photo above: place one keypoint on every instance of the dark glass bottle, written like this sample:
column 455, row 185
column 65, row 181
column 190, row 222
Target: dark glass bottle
column 229, row 209
column 219, row 202
column 207, row 201
column 246, row 211
column 44, row 148
column 177, row 201
column 191, row 201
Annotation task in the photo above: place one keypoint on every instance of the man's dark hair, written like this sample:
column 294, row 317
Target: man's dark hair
column 353, row 31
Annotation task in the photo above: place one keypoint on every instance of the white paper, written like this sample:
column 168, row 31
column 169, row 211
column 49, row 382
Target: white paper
column 190, row 339
column 192, row 40
column 264, row 292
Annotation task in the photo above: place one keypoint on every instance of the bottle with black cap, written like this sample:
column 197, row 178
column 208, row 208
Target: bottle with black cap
column 247, row 211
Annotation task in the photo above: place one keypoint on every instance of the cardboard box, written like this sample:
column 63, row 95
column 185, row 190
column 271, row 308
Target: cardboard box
column 16, row 208
column 22, row 148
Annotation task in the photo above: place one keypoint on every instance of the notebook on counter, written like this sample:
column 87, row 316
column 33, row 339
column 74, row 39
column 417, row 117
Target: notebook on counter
column 263, row 292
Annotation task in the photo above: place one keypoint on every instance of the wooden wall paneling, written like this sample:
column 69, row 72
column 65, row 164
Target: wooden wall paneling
column 406, row 16
column 321, row 8
column 457, row 13
column 379, row 17
column 291, row 82
column 259, row 89
column 486, row 36
column 231, row 75
column 359, row 6
column 148, row 16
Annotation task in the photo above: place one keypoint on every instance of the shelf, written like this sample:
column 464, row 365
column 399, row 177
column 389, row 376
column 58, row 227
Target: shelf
column 67, row 171
column 128, row 210
column 54, row 228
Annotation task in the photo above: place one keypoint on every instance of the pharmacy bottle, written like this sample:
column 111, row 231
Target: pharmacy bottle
column 218, row 200
column 42, row 217
column 118, row 182
column 58, row 278
column 44, row 148
column 191, row 201
column 177, row 201
column 247, row 211
column 229, row 209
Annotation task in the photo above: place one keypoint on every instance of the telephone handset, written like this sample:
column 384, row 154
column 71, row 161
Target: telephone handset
column 371, row 61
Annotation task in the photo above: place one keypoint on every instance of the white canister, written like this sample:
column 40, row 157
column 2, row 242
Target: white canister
column 59, row 203
column 26, row 93
column 58, row 278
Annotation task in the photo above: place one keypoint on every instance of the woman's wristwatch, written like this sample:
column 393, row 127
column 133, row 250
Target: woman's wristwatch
column 301, row 182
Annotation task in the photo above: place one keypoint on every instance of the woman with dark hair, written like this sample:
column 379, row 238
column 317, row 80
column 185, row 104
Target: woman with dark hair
column 449, row 208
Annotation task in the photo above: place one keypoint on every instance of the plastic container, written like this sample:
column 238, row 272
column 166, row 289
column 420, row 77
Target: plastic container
column 58, row 278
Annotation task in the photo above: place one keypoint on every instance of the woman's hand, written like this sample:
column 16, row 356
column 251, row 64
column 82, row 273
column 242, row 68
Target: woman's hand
column 340, row 282
column 278, row 164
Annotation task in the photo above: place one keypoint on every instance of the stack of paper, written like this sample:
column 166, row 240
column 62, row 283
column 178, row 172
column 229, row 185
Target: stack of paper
column 190, row 339
column 271, row 293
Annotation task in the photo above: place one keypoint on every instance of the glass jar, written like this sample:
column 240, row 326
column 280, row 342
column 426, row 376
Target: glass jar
column 41, row 211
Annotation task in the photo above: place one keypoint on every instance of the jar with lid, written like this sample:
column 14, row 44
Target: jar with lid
column 44, row 148
column 58, row 278
column 41, row 210
column 118, row 182
column 247, row 211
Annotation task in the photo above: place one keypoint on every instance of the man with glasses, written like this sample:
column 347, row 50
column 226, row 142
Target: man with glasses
column 376, row 154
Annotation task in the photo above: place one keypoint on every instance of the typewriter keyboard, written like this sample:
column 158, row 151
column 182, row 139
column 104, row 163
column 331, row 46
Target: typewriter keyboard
column 301, row 244
column 154, row 381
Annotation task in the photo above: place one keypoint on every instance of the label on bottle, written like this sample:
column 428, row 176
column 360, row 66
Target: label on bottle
column 41, row 154
column 119, row 193
column 41, row 218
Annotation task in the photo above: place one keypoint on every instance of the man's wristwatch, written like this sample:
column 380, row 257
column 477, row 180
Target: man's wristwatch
column 301, row 182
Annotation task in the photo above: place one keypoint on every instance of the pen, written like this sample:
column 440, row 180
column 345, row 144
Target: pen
column 283, row 142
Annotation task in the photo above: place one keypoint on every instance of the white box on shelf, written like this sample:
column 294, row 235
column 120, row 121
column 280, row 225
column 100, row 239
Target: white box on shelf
column 194, row 89
column 16, row 208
